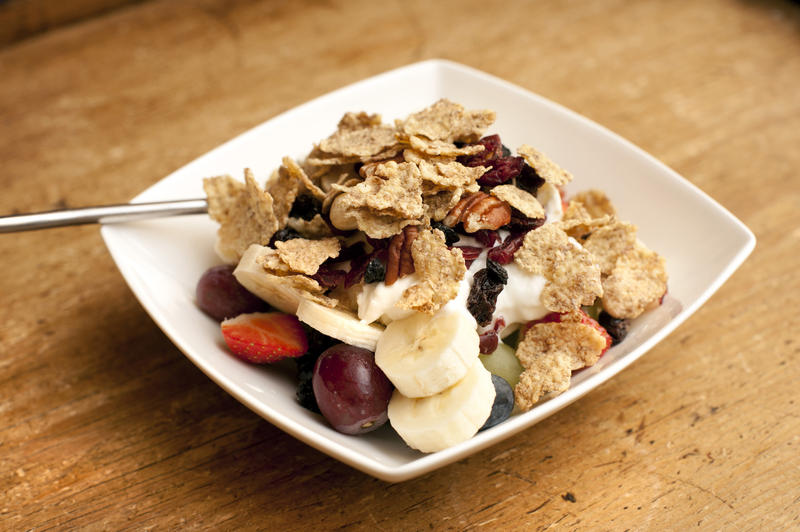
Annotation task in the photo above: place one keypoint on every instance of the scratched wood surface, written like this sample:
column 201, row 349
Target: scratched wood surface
column 105, row 425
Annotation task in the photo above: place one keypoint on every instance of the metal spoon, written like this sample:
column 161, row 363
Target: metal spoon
column 125, row 212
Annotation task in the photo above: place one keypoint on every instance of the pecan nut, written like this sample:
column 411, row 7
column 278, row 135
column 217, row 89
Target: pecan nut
column 400, row 262
column 478, row 211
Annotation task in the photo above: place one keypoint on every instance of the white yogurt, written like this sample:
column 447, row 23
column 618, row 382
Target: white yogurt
column 377, row 301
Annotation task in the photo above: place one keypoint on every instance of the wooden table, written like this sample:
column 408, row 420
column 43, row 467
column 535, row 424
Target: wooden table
column 104, row 424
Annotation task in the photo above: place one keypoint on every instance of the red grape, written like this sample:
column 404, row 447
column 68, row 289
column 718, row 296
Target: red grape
column 220, row 295
column 351, row 391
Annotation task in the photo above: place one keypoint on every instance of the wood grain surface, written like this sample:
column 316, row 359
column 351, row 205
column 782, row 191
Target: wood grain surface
column 104, row 424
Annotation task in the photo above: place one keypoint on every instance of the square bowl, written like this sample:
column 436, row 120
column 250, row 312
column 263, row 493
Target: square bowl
column 161, row 260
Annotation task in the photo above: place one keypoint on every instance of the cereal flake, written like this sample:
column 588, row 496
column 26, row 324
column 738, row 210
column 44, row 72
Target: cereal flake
column 305, row 256
column 549, row 352
column 447, row 121
column 545, row 168
column 636, row 283
column 523, row 201
column 572, row 277
column 441, row 270
column 244, row 212
column 596, row 203
column 610, row 241
column 297, row 173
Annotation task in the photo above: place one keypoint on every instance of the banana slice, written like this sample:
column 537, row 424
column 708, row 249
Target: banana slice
column 431, row 424
column 423, row 355
column 268, row 287
column 339, row 324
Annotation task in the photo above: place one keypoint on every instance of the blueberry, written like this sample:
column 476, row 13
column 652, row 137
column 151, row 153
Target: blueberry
column 503, row 402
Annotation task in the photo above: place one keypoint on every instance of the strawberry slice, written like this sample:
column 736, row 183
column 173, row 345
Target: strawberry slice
column 264, row 337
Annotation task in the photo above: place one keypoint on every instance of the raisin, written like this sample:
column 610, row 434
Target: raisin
column 503, row 170
column 528, row 180
column 375, row 271
column 487, row 285
column 282, row 235
column 317, row 343
column 450, row 235
column 497, row 272
column 305, row 207
column 493, row 149
column 617, row 328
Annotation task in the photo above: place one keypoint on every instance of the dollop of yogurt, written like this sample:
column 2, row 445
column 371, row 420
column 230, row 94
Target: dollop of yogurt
column 377, row 301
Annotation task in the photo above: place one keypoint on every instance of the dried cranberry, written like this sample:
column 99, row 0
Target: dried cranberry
column 450, row 235
column 486, row 237
column 493, row 149
column 305, row 207
column 519, row 222
column 504, row 253
column 328, row 277
column 488, row 342
column 528, row 180
column 502, row 170
column 357, row 268
column 617, row 328
column 470, row 253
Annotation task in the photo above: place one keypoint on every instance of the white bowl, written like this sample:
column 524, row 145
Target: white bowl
column 162, row 259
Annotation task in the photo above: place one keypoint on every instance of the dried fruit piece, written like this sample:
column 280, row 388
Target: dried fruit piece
column 503, row 170
column 486, row 286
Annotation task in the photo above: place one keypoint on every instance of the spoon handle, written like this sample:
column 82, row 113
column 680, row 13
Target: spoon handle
column 125, row 212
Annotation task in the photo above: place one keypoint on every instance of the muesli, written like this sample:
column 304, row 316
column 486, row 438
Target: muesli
column 421, row 272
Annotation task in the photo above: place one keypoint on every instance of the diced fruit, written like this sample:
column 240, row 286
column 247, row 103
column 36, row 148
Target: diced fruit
column 264, row 337
column 504, row 363
column 503, row 402
column 351, row 391
column 220, row 295
column 450, row 417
